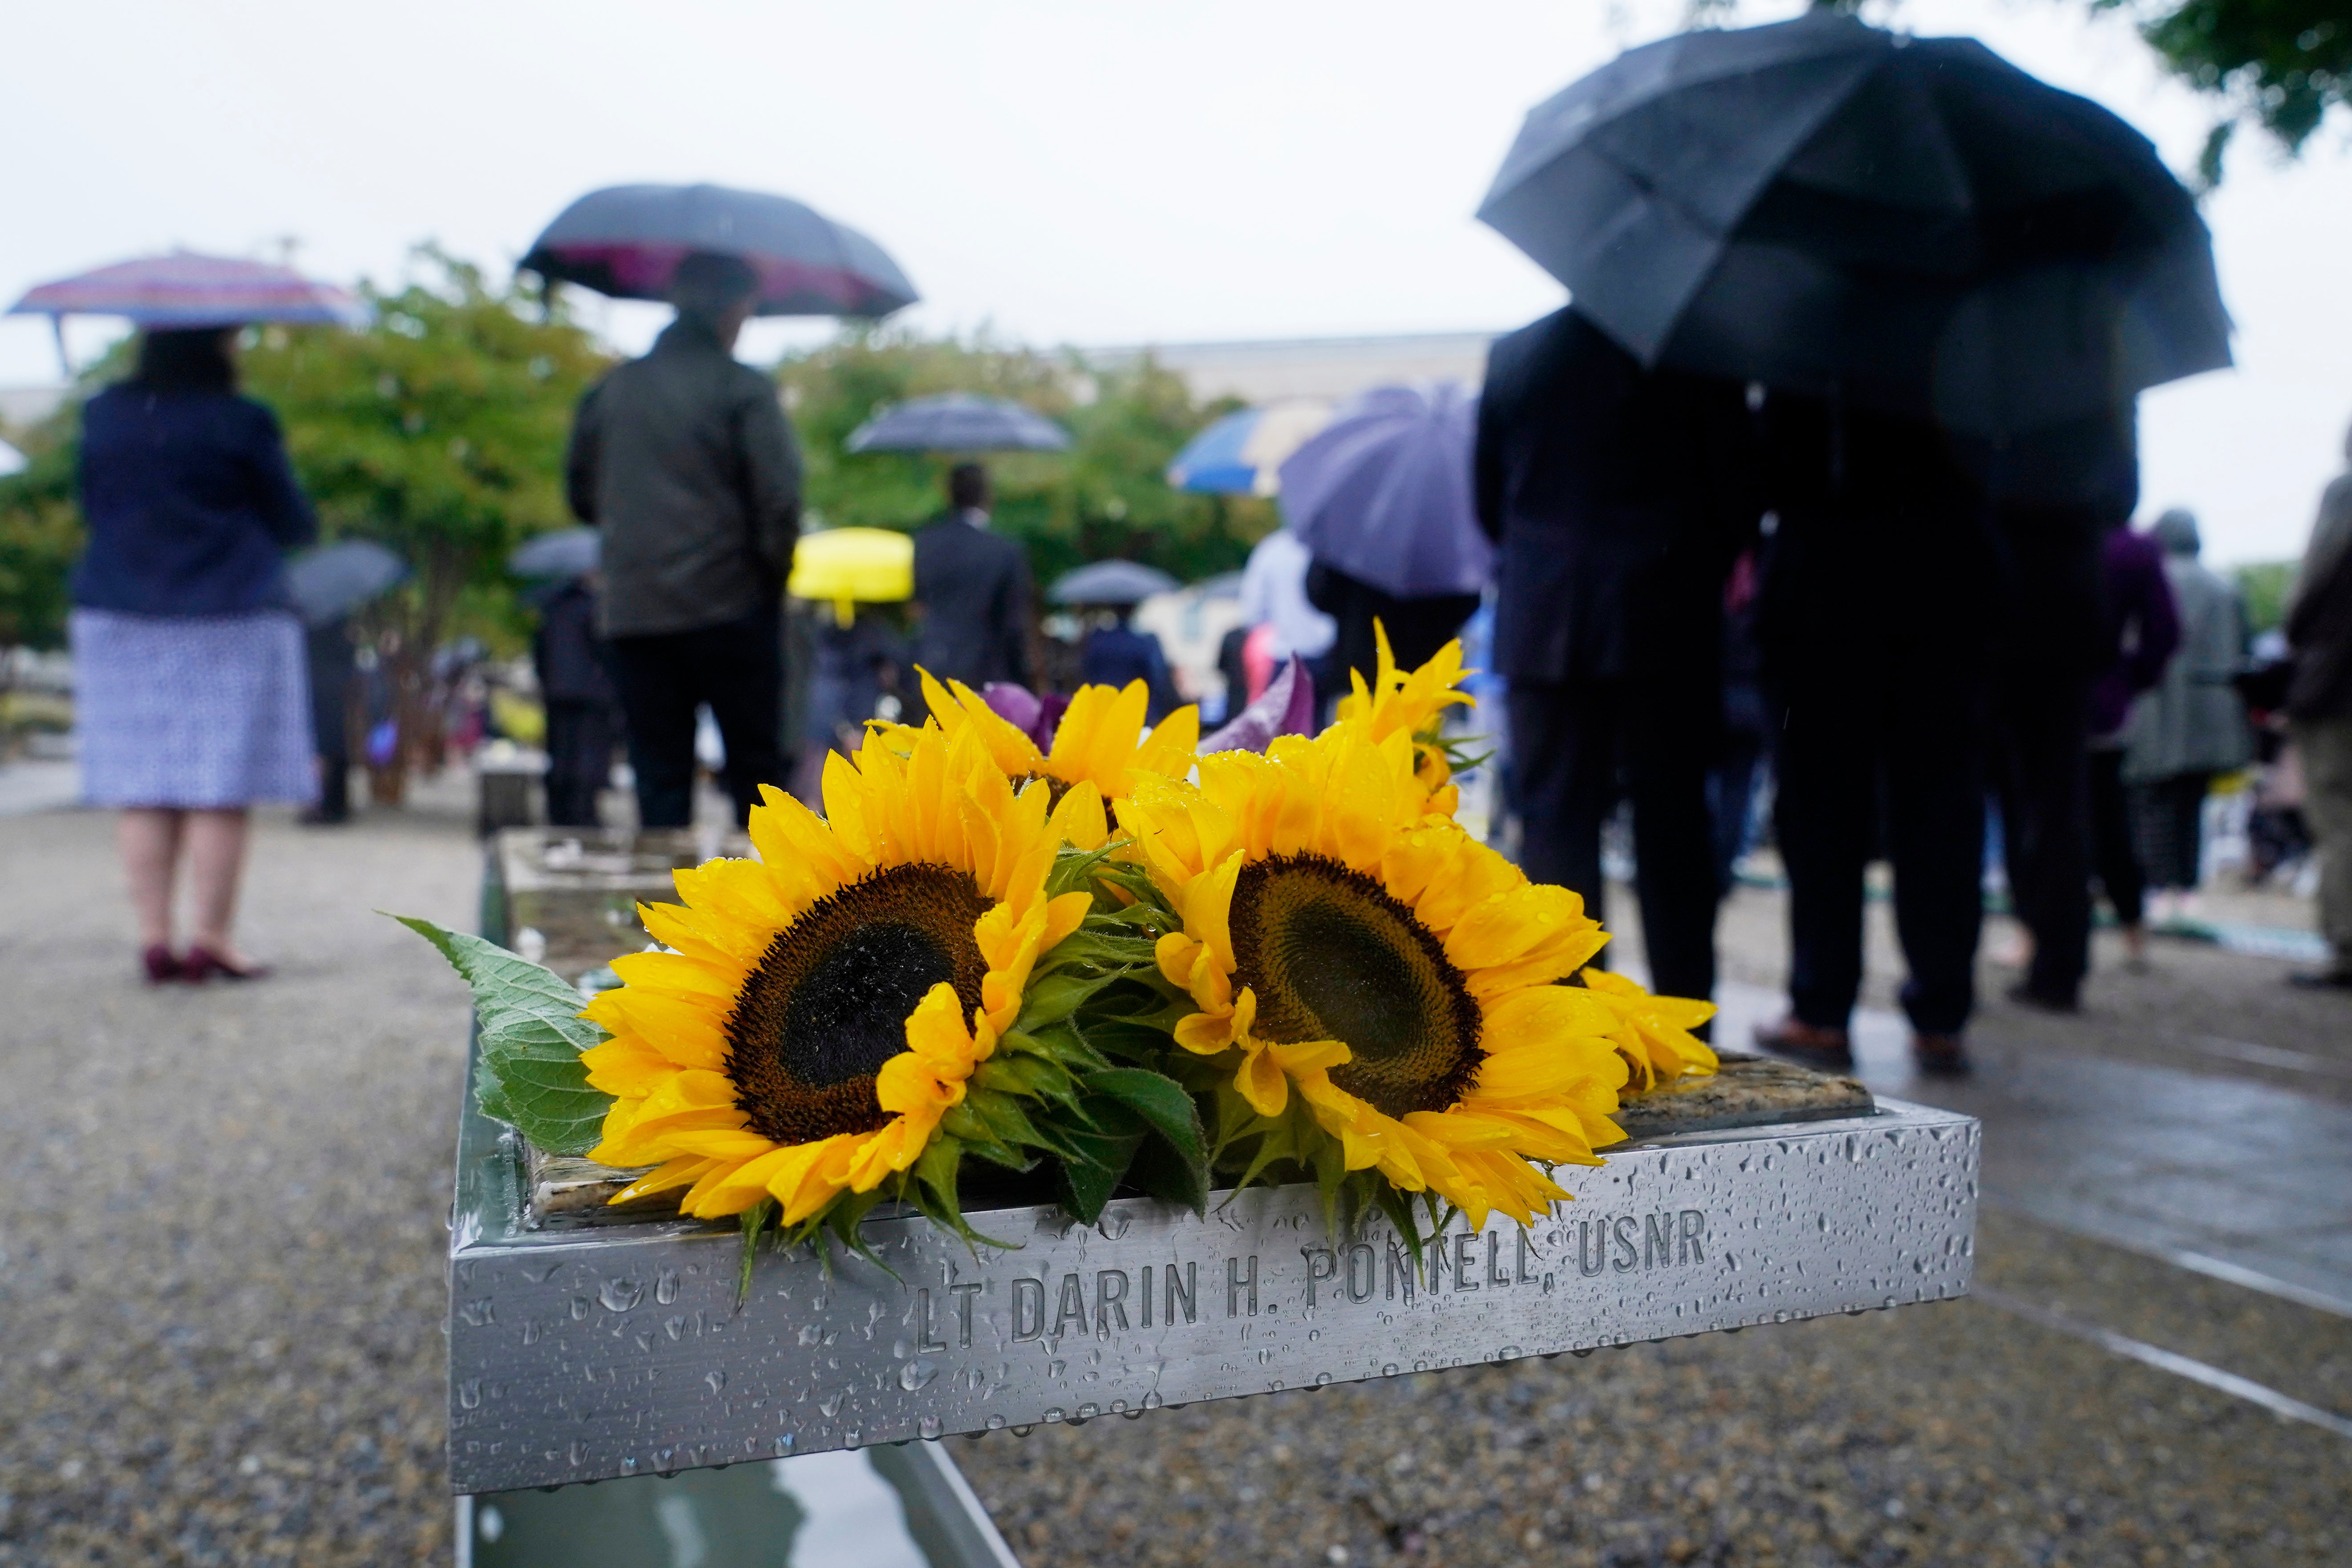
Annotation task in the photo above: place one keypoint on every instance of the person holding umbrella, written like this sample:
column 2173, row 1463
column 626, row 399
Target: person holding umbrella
column 1618, row 498
column 190, row 691
column 191, row 695
column 685, row 463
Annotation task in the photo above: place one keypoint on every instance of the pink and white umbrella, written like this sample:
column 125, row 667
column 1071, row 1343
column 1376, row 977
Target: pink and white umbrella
column 186, row 290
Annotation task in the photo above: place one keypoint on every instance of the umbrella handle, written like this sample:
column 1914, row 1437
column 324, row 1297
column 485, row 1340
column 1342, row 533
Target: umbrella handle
column 58, row 330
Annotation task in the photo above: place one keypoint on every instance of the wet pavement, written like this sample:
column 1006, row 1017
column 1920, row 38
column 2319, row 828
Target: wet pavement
column 221, row 1291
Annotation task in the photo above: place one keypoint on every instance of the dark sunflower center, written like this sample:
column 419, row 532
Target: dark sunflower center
column 828, row 1004
column 1331, row 956
column 1056, row 788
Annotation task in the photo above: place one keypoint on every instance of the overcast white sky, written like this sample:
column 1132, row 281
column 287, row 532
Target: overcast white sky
column 1066, row 171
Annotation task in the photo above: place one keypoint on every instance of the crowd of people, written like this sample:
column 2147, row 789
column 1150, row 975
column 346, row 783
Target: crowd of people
column 1695, row 582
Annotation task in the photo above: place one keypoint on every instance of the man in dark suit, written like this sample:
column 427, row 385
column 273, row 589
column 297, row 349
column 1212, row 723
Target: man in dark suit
column 973, row 586
column 1617, row 498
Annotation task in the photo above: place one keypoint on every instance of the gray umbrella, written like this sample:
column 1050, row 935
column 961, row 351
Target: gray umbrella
column 1111, row 582
column 336, row 579
column 1912, row 224
column 1383, row 492
column 566, row 553
column 959, row 422
column 626, row 241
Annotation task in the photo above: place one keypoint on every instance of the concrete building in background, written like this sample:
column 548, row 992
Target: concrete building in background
column 1260, row 370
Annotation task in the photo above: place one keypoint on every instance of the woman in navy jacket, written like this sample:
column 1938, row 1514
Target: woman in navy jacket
column 192, row 699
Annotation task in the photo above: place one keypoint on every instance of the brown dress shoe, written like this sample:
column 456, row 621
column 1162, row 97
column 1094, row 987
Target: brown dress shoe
column 1808, row 1043
column 1941, row 1056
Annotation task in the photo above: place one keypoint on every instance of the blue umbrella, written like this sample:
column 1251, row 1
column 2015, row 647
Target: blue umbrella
column 566, row 553
column 1383, row 493
column 958, row 422
column 184, row 290
column 1240, row 454
column 1111, row 582
column 336, row 579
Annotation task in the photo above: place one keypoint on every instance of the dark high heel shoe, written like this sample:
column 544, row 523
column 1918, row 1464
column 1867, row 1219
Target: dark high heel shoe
column 161, row 967
column 203, row 963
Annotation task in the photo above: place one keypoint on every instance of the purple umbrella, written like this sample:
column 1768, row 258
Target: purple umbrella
column 625, row 241
column 184, row 290
column 1383, row 494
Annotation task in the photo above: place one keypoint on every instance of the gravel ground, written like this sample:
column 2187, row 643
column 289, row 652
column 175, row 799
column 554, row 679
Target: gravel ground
column 221, row 1253
column 220, row 1275
column 1952, row 1433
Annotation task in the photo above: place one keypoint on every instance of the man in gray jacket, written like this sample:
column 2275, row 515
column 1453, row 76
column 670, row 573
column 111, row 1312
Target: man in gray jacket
column 686, row 464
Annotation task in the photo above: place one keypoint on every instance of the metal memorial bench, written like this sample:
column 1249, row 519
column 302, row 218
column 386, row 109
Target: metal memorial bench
column 587, row 1342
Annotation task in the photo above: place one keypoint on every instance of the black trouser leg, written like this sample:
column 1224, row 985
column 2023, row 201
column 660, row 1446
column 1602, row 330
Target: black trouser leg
column 1563, row 762
column 579, row 761
column 1668, row 747
column 658, row 696
column 742, row 678
column 1826, row 762
column 2112, row 856
column 2045, row 823
column 1935, row 770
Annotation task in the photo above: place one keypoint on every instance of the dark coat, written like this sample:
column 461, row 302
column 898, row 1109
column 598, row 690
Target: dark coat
column 1416, row 627
column 189, row 503
column 974, row 587
column 2319, row 618
column 2142, row 627
column 567, row 652
column 1618, row 498
column 1113, row 656
column 685, row 462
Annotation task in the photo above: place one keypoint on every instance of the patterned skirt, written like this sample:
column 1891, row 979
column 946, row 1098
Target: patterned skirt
column 195, row 713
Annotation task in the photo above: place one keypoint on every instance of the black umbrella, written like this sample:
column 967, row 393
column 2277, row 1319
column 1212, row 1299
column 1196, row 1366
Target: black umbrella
column 1913, row 223
column 336, row 579
column 626, row 241
column 1111, row 582
column 566, row 553
column 958, row 422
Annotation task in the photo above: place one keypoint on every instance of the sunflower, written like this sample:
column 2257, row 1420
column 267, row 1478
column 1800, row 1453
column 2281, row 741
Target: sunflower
column 1653, row 1033
column 1099, row 748
column 822, row 1007
column 1387, row 967
column 1412, row 703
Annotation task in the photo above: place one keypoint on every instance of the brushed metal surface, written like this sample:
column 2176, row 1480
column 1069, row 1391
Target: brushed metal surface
column 578, row 1355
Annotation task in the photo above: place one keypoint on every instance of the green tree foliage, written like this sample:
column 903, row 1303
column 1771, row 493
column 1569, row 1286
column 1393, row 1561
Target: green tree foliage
column 2262, row 588
column 1104, row 497
column 40, row 538
column 439, row 431
column 2283, row 63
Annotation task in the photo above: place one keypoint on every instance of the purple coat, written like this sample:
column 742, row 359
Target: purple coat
column 2143, row 626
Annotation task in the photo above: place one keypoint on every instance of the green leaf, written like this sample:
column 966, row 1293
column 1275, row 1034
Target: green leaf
column 527, row 1069
column 1054, row 999
column 752, row 1220
column 1087, row 1186
column 1158, row 1170
column 1161, row 1103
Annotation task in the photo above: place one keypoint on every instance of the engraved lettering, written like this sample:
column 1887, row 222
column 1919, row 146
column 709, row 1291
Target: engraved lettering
column 1147, row 1295
column 1111, row 1299
column 1629, row 1254
column 1519, row 1275
column 1321, row 1266
column 1494, row 1275
column 963, row 1295
column 1693, row 1249
column 1591, row 1247
column 1072, row 1304
column 1028, row 1308
column 1400, row 1267
column 1362, row 1254
column 1657, row 1240
column 1462, row 1263
column 925, row 1340
column 1237, row 1282
column 1185, row 1294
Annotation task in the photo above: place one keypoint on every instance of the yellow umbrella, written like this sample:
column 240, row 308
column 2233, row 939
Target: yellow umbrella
column 848, row 565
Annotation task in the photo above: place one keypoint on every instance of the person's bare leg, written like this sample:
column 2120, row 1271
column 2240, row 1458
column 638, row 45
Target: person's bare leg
column 215, row 866
column 148, row 839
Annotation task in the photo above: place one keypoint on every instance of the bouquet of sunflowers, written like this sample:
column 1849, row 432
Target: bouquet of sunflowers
column 1102, row 957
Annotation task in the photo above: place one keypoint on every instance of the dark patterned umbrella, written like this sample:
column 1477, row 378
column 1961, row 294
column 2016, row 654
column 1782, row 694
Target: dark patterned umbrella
column 1911, row 224
column 626, row 241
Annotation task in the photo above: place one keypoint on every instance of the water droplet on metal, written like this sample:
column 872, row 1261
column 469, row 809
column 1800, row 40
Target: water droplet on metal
column 916, row 1373
column 621, row 1295
column 715, row 1379
column 1389, row 1370
column 929, row 1427
column 665, row 1286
